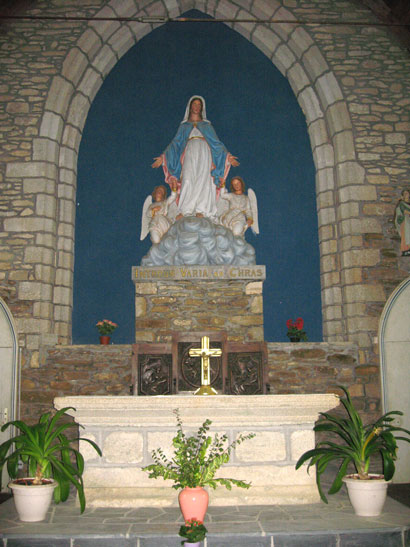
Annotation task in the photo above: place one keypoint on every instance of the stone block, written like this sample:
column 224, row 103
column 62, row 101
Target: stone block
column 89, row 42
column 105, row 60
column 256, row 305
column 348, row 210
column 266, row 40
column 254, row 287
column 30, row 169
column 358, row 193
column 300, row 41
column 325, row 179
column 350, row 173
column 344, row 146
column 318, row 132
column 160, row 439
column 338, row 118
column 145, row 336
column 331, row 296
column 363, row 293
column 360, row 257
column 297, row 78
column 51, row 126
column 267, row 446
column 396, row 138
column 77, row 113
column 146, row 288
column 46, row 205
column 43, row 310
column 140, row 306
column 122, row 40
column 59, row 96
column 314, row 62
column 325, row 199
column 299, row 440
column 352, row 276
column 74, row 65
column 323, row 156
column 105, row 28
column 62, row 295
column 284, row 58
column 40, row 255
column 326, row 216
column 45, row 150
column 309, row 102
column 329, row 92
column 123, row 447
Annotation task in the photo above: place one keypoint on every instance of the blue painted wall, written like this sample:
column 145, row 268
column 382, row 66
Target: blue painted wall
column 133, row 118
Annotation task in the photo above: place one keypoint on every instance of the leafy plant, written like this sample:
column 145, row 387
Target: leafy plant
column 196, row 458
column 295, row 330
column 106, row 327
column 193, row 531
column 47, row 452
column 359, row 444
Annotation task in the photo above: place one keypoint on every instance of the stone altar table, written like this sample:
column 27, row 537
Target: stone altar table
column 128, row 428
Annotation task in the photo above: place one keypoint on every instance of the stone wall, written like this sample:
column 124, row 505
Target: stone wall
column 75, row 370
column 351, row 81
column 206, row 298
column 299, row 368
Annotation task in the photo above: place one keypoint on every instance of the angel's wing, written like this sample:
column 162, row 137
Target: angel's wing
column 222, row 205
column 144, row 218
column 254, row 209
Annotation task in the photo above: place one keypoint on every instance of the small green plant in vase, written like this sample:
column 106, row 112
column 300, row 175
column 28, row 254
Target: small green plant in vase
column 195, row 462
column 193, row 531
column 358, row 445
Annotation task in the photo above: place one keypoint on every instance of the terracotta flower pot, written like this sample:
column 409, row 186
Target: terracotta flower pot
column 193, row 503
column 105, row 340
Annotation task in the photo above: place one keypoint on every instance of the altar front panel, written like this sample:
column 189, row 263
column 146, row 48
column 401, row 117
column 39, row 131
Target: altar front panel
column 128, row 428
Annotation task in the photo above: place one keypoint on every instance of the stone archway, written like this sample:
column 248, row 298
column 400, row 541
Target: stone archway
column 394, row 340
column 339, row 177
column 9, row 373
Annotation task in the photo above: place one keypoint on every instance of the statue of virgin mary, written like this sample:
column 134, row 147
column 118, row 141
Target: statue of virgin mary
column 197, row 162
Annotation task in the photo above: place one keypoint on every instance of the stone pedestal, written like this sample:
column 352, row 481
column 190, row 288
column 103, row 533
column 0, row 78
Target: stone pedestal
column 128, row 428
column 197, row 298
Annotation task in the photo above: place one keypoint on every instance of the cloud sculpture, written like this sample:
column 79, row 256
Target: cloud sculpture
column 198, row 241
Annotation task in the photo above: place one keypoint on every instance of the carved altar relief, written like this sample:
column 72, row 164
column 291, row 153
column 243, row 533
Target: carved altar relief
column 168, row 369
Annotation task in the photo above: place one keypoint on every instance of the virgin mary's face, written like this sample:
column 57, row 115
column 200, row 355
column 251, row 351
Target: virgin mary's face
column 196, row 107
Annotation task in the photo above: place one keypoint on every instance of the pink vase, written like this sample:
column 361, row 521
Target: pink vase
column 193, row 503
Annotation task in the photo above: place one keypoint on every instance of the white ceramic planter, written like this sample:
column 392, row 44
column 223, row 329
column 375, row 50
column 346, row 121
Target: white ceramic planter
column 32, row 502
column 366, row 496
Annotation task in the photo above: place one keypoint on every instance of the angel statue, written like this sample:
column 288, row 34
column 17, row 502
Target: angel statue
column 197, row 161
column 237, row 210
column 158, row 215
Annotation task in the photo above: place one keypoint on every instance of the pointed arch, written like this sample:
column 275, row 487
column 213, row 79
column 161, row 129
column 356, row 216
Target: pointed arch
column 291, row 49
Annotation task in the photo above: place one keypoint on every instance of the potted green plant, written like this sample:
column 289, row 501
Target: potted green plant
column 196, row 460
column 359, row 444
column 193, row 531
column 53, row 464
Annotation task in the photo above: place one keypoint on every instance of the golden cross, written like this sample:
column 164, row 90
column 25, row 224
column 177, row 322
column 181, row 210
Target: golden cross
column 205, row 352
